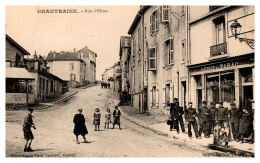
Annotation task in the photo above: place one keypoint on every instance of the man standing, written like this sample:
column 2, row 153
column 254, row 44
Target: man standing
column 177, row 115
column 234, row 115
column 212, row 118
column 221, row 114
column 172, row 106
column 190, row 114
column 204, row 113
column 28, row 135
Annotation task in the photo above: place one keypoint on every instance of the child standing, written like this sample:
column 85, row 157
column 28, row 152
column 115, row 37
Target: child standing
column 225, row 134
column 108, row 118
column 80, row 127
column 96, row 121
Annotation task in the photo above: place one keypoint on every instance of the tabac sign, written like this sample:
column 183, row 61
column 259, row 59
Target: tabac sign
column 220, row 67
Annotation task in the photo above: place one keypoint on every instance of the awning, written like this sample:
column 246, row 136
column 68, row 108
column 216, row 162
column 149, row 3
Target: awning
column 18, row 73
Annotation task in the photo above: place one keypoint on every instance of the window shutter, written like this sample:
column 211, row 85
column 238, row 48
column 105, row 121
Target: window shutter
column 156, row 20
column 171, row 92
column 165, row 14
column 164, row 60
column 160, row 13
column 157, row 97
column 171, row 50
column 164, row 96
column 156, row 52
column 151, row 97
column 151, row 24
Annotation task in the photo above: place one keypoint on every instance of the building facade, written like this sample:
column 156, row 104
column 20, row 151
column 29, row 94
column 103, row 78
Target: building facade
column 124, row 57
column 160, row 37
column 221, row 68
column 68, row 66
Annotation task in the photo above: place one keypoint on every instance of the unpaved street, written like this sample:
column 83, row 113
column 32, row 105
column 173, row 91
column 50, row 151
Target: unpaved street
column 54, row 136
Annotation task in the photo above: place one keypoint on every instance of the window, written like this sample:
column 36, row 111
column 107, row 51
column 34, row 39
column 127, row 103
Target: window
column 165, row 14
column 183, row 50
column 134, row 47
column 52, row 86
column 133, row 77
column 139, row 39
column 145, row 67
column 220, row 30
column 154, row 96
column 126, row 42
column 167, row 95
column 72, row 77
column 169, row 55
column 71, row 66
column 152, row 58
column 154, row 24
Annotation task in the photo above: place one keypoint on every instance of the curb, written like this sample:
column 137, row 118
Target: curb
column 193, row 145
column 59, row 101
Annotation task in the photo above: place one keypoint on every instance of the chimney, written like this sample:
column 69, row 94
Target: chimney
column 74, row 50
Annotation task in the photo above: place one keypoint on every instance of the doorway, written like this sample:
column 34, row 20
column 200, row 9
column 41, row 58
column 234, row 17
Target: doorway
column 248, row 95
column 145, row 100
column 183, row 94
column 199, row 98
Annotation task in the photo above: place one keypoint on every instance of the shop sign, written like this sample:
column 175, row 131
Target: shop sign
column 222, row 66
column 16, row 98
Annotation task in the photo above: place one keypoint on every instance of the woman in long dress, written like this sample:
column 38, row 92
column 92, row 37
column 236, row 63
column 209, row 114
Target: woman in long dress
column 80, row 127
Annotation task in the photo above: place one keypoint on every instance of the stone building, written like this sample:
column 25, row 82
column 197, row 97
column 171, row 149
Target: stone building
column 221, row 66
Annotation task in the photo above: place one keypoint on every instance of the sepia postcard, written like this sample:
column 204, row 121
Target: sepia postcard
column 130, row 81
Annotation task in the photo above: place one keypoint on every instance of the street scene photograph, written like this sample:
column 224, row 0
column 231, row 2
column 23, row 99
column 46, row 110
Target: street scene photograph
column 142, row 81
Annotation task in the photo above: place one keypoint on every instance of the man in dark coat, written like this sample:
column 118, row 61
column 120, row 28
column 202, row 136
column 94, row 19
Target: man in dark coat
column 80, row 127
column 212, row 117
column 177, row 115
column 28, row 135
column 172, row 106
column 245, row 129
column 234, row 115
column 190, row 114
column 221, row 114
column 204, row 113
column 116, row 116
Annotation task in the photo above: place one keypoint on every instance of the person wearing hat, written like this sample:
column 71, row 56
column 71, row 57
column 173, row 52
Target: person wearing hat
column 177, row 115
column 221, row 114
column 212, row 117
column 190, row 114
column 234, row 115
column 27, row 125
column 172, row 106
column 80, row 127
column 204, row 113
column 116, row 116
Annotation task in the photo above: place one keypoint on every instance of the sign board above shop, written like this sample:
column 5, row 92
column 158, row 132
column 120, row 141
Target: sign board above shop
column 218, row 66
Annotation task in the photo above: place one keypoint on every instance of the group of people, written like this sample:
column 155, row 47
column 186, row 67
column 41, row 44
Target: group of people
column 81, row 129
column 79, row 125
column 105, row 85
column 212, row 119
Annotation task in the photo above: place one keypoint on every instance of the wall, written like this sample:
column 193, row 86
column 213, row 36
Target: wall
column 11, row 51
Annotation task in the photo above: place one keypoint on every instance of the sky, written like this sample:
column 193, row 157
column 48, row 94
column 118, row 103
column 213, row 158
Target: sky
column 45, row 32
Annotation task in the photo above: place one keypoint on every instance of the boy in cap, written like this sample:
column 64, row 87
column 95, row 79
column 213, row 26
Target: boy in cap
column 190, row 114
column 204, row 113
column 116, row 115
column 28, row 135
column 177, row 115
column 234, row 116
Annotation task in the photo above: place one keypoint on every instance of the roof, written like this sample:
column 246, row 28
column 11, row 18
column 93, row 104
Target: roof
column 18, row 73
column 51, row 56
column 137, row 18
column 67, row 56
column 25, row 52
column 87, row 50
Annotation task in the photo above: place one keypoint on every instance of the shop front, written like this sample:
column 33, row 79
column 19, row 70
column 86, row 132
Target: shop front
column 18, row 86
column 227, row 80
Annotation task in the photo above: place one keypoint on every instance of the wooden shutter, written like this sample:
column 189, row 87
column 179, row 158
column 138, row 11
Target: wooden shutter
column 150, row 96
column 151, row 25
column 171, row 58
column 164, row 96
column 165, row 14
column 156, row 20
column 160, row 13
column 171, row 92
column 157, row 97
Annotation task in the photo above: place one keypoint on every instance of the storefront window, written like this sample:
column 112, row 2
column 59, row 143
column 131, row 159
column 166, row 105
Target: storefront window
column 17, row 86
column 212, row 87
column 226, row 92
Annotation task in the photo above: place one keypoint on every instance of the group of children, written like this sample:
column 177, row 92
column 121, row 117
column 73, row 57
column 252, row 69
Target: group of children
column 80, row 127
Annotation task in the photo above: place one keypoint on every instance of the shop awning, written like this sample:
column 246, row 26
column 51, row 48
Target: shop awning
column 18, row 73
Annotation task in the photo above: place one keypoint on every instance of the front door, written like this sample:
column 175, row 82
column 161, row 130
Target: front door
column 248, row 95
